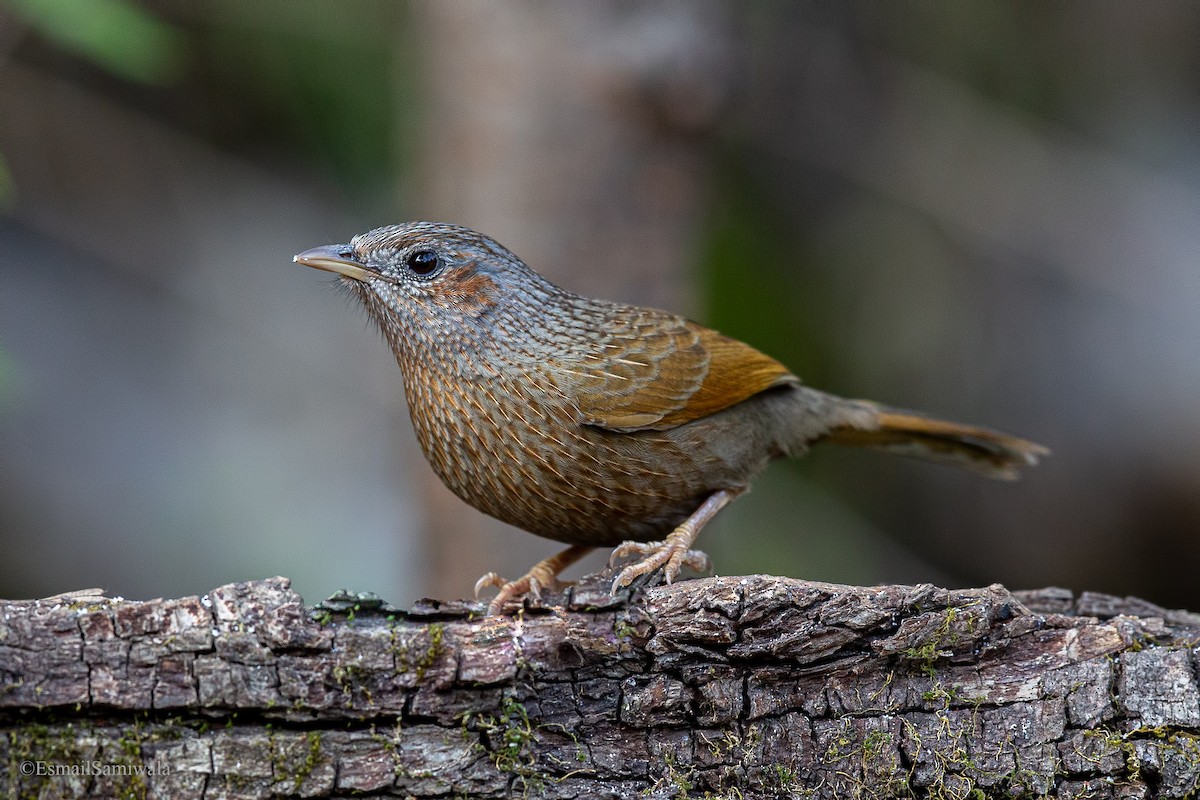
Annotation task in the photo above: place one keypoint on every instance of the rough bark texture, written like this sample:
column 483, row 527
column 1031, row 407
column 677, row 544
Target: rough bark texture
column 722, row 687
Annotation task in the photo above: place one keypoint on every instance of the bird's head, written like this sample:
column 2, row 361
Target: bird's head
column 425, row 272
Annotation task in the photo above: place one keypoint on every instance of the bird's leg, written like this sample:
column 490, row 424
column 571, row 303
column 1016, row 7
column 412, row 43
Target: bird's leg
column 673, row 552
column 543, row 575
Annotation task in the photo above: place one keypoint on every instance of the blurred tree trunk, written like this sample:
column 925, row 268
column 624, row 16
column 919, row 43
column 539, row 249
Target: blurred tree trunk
column 573, row 133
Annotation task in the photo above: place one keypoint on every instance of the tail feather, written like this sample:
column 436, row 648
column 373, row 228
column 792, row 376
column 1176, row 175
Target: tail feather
column 996, row 455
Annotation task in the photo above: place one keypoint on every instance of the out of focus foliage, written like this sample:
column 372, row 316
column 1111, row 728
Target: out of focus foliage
column 986, row 211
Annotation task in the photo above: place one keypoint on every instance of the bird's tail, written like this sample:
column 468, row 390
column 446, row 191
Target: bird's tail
column 907, row 433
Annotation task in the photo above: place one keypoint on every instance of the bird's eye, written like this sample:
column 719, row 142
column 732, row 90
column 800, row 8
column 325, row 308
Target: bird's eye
column 422, row 262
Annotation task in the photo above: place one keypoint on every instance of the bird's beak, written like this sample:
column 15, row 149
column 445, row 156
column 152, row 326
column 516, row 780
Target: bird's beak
column 335, row 258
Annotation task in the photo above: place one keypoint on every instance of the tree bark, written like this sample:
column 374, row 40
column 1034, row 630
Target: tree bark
column 729, row 687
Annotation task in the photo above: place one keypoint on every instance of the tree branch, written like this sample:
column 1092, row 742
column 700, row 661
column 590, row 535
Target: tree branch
column 734, row 687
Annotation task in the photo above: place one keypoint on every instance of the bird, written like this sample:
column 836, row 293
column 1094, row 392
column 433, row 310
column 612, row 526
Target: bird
column 596, row 423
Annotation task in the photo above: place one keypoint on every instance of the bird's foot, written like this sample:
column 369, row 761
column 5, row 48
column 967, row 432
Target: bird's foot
column 543, row 575
column 670, row 556
column 674, row 551
column 531, row 584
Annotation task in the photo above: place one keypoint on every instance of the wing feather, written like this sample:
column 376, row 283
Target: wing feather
column 658, row 371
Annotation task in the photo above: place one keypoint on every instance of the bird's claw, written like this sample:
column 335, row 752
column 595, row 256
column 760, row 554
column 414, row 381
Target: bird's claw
column 543, row 575
column 531, row 585
column 509, row 590
column 489, row 579
column 669, row 556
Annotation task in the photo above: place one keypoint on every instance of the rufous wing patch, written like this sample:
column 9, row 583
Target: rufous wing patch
column 673, row 373
column 736, row 372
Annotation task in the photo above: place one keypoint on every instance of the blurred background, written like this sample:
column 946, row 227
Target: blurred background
column 987, row 211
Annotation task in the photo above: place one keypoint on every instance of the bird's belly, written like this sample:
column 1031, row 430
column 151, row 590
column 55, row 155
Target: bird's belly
column 532, row 465
column 572, row 483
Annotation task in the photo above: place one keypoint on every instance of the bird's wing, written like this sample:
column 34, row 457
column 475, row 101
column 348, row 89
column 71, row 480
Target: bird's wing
column 657, row 371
